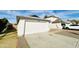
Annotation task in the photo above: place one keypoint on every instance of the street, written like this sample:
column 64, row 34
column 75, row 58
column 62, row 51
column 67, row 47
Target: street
column 69, row 33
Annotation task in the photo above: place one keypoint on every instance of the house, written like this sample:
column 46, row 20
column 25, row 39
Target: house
column 30, row 25
column 51, row 18
column 55, row 22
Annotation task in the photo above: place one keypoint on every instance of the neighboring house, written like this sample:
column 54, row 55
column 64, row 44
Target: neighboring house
column 30, row 25
column 55, row 22
column 51, row 18
column 71, row 24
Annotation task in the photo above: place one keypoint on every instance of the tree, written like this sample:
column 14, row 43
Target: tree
column 63, row 24
column 34, row 15
column 74, row 22
column 45, row 16
column 3, row 24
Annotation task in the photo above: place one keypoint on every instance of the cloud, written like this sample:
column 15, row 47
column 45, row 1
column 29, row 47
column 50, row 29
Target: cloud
column 64, row 14
column 67, row 12
column 41, row 12
column 36, row 11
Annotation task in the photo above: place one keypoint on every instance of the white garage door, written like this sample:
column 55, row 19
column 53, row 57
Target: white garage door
column 36, row 27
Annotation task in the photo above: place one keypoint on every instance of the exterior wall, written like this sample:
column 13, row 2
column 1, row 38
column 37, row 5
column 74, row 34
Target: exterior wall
column 55, row 26
column 51, row 19
column 31, row 27
column 36, row 27
column 20, row 28
column 24, row 28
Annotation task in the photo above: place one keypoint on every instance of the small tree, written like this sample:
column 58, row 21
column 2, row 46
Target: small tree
column 74, row 22
column 34, row 15
column 45, row 16
column 63, row 24
column 3, row 23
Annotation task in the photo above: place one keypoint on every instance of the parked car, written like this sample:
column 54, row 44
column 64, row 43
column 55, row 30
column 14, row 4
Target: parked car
column 70, row 26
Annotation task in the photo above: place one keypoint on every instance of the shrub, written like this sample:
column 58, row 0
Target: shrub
column 3, row 24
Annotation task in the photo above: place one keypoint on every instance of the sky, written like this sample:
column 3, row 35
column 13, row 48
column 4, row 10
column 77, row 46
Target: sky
column 63, row 14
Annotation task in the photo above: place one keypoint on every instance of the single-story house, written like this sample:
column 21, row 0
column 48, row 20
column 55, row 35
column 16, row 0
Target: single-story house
column 51, row 18
column 55, row 22
column 30, row 25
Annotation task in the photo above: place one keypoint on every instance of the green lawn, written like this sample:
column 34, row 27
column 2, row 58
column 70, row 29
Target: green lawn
column 9, row 40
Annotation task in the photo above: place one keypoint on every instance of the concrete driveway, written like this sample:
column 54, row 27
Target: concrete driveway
column 51, row 40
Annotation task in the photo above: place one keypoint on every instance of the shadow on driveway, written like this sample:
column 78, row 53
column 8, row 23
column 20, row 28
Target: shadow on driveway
column 22, row 43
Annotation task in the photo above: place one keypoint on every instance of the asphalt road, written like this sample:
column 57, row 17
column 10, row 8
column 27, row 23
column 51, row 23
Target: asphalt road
column 69, row 33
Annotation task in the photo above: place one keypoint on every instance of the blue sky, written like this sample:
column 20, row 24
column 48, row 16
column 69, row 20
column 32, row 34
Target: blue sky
column 63, row 14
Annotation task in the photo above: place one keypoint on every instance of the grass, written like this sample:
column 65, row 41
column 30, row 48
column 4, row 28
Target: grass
column 9, row 40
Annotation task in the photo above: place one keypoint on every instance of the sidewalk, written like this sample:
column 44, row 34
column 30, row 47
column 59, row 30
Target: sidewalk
column 51, row 40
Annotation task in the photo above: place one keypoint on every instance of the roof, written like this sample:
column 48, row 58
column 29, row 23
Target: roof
column 67, row 22
column 56, row 21
column 29, row 18
column 51, row 16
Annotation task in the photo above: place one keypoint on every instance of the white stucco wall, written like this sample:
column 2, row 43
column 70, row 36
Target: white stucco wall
column 55, row 26
column 31, row 27
column 20, row 27
column 51, row 19
column 36, row 27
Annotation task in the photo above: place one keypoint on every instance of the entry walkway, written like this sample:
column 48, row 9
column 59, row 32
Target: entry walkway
column 51, row 40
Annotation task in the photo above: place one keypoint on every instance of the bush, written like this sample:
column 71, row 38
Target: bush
column 3, row 24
